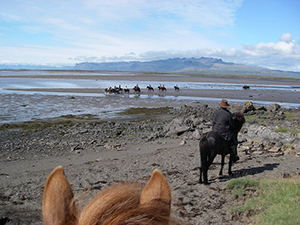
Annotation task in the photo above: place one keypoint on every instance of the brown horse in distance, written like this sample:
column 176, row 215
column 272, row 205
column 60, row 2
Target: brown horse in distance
column 118, row 204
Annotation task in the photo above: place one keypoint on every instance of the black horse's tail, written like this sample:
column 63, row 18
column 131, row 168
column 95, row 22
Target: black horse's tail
column 203, row 142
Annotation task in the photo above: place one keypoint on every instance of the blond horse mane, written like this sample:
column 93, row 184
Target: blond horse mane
column 118, row 204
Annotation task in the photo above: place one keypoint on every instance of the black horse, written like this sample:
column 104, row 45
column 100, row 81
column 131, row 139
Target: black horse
column 176, row 88
column 111, row 91
column 150, row 88
column 213, row 144
column 136, row 89
column 161, row 88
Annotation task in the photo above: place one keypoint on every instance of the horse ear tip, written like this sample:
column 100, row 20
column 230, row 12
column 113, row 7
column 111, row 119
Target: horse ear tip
column 58, row 169
column 156, row 171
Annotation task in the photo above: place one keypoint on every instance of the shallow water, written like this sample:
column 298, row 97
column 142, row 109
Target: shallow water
column 19, row 106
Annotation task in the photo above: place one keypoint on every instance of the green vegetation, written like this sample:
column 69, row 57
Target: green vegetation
column 257, row 119
column 80, row 117
column 238, row 192
column 285, row 130
column 34, row 125
column 67, row 120
column 242, row 183
column 291, row 116
column 147, row 111
column 277, row 201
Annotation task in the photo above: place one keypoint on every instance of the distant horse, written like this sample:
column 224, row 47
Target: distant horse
column 213, row 144
column 126, row 90
column 111, row 91
column 120, row 89
column 136, row 89
column 246, row 87
column 119, row 204
column 161, row 88
column 150, row 88
column 176, row 88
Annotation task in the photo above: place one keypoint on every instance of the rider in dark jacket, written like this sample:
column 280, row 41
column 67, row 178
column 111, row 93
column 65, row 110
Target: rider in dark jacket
column 223, row 124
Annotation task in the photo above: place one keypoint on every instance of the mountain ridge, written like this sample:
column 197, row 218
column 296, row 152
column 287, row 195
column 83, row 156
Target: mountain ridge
column 201, row 65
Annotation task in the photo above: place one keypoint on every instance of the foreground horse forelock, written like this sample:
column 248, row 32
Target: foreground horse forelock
column 118, row 204
column 212, row 144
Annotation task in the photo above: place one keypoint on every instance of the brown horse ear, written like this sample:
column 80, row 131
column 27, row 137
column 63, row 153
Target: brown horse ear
column 157, row 193
column 57, row 199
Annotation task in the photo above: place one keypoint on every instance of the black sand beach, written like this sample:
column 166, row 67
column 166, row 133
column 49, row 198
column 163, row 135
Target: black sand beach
column 95, row 155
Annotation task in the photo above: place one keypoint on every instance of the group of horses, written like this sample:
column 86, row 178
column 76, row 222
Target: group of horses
column 128, row 203
column 136, row 88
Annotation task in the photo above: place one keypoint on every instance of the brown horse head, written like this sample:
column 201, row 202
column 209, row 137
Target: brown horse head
column 118, row 204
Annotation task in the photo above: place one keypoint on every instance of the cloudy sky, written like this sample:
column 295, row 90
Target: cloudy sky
column 65, row 32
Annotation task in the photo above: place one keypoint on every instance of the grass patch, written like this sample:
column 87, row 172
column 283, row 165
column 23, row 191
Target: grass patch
column 34, row 125
column 132, row 136
column 80, row 117
column 147, row 111
column 238, row 192
column 278, row 201
column 67, row 120
column 291, row 116
column 257, row 119
column 285, row 130
column 242, row 183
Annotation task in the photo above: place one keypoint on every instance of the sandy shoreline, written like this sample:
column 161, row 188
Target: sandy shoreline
column 244, row 80
column 273, row 96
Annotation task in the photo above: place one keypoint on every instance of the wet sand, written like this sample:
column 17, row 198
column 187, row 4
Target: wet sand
column 273, row 96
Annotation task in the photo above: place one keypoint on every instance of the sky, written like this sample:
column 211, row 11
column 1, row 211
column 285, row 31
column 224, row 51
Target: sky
column 262, row 33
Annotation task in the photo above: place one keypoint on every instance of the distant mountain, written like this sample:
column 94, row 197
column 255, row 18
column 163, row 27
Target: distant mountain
column 201, row 65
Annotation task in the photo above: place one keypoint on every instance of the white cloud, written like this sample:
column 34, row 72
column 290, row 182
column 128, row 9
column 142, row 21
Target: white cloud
column 117, row 30
column 287, row 37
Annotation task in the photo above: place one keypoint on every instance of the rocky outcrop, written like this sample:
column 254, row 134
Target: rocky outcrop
column 268, row 128
column 271, row 128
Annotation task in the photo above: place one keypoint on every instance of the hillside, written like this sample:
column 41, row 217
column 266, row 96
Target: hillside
column 201, row 65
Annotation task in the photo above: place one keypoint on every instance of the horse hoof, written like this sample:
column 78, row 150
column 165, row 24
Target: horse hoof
column 206, row 183
column 236, row 158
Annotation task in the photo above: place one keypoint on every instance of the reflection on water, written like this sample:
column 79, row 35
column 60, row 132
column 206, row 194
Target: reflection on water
column 24, row 106
column 16, row 83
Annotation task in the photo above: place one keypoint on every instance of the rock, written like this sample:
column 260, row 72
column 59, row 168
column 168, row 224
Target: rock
column 248, row 106
column 261, row 108
column 197, row 135
column 275, row 150
column 273, row 108
column 182, row 143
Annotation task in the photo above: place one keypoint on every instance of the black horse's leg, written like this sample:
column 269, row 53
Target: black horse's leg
column 205, row 168
column 201, row 172
column 222, row 165
column 229, row 166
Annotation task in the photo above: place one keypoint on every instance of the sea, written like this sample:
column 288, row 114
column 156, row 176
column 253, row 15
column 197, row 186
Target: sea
column 20, row 106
